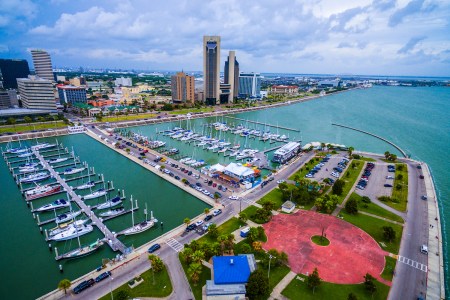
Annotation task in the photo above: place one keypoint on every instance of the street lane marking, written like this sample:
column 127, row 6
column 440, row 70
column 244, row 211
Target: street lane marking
column 174, row 244
column 413, row 263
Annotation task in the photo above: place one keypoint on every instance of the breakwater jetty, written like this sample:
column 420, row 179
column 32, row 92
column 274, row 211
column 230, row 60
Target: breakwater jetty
column 374, row 135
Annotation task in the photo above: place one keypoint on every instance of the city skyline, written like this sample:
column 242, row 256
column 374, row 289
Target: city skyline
column 371, row 37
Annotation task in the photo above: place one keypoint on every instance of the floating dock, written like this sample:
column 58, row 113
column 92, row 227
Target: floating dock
column 261, row 123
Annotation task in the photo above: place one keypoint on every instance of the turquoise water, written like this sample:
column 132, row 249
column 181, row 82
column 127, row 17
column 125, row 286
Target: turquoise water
column 25, row 257
column 416, row 119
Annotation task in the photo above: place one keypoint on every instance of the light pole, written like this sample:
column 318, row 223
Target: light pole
column 270, row 259
column 240, row 204
column 110, row 289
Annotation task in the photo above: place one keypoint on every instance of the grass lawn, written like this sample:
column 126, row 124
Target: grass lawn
column 205, row 275
column 374, row 209
column 250, row 211
column 400, row 194
column 373, row 226
column 319, row 240
column 190, row 110
column 350, row 176
column 389, row 268
column 298, row 289
column 161, row 288
column 276, row 196
column 127, row 118
column 368, row 159
column 32, row 126
column 227, row 227
column 276, row 274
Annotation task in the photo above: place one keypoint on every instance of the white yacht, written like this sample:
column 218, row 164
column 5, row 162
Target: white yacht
column 58, row 204
column 72, row 232
column 96, row 194
column 85, row 186
column 71, row 171
column 110, row 203
column 62, row 218
column 34, row 177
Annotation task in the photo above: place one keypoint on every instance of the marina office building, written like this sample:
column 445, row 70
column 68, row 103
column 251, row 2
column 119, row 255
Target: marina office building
column 36, row 93
column 286, row 152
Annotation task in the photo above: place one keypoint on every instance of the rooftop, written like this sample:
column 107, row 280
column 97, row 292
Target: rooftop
column 232, row 269
column 239, row 169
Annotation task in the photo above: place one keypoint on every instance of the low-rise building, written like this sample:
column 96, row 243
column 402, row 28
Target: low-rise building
column 36, row 93
column 329, row 83
column 230, row 275
column 288, row 207
column 286, row 152
column 283, row 90
column 239, row 172
column 123, row 81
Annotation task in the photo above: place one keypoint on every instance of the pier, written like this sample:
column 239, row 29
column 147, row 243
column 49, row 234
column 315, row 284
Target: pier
column 261, row 123
column 111, row 239
column 374, row 135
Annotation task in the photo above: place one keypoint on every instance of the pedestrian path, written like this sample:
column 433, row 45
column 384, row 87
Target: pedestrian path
column 174, row 244
column 276, row 293
column 381, row 218
column 412, row 263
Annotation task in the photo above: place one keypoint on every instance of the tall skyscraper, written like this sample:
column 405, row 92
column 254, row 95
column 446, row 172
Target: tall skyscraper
column 249, row 85
column 42, row 64
column 11, row 69
column 36, row 93
column 211, row 69
column 231, row 73
column 183, row 88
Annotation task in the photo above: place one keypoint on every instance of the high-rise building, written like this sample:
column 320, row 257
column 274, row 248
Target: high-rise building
column 71, row 94
column 231, row 73
column 8, row 98
column 211, row 69
column 11, row 69
column 249, row 85
column 42, row 64
column 183, row 88
column 36, row 93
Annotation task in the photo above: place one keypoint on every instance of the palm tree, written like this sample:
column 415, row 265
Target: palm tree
column 206, row 211
column 350, row 151
column 187, row 221
column 198, row 256
column 194, row 271
column 187, row 253
column 64, row 285
column 230, row 242
column 222, row 239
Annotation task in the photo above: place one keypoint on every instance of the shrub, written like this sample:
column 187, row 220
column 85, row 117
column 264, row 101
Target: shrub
column 366, row 199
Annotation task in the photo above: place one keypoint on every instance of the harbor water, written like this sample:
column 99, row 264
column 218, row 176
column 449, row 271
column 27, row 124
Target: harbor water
column 416, row 119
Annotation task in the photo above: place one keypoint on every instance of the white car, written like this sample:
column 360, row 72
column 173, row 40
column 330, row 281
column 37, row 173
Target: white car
column 389, row 177
column 199, row 223
column 309, row 175
column 233, row 197
column 335, row 174
column 281, row 181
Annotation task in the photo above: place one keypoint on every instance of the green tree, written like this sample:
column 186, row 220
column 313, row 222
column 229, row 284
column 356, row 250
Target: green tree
column 222, row 240
column 206, row 211
column 198, row 256
column 400, row 176
column 352, row 296
column 369, row 284
column 157, row 263
column 253, row 235
column 187, row 254
column 64, row 285
column 313, row 280
column 243, row 217
column 350, row 151
column 387, row 154
column 122, row 295
column 213, row 231
column 258, row 285
column 268, row 206
column 194, row 271
column 11, row 121
column 351, row 206
column 338, row 187
column 187, row 221
column 28, row 120
column 389, row 233
column 229, row 243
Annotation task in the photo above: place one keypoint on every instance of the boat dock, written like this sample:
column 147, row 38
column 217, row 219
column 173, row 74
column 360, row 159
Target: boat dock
column 261, row 123
column 112, row 240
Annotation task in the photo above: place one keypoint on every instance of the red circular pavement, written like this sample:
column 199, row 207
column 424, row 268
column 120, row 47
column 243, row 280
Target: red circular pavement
column 350, row 255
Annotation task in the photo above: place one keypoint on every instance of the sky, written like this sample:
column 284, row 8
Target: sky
column 367, row 37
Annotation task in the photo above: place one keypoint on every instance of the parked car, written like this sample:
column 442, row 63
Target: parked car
column 387, row 185
column 198, row 223
column 207, row 218
column 424, row 197
column 217, row 212
column 103, row 276
column 83, row 285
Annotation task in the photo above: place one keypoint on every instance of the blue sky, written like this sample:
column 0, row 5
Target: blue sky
column 388, row 37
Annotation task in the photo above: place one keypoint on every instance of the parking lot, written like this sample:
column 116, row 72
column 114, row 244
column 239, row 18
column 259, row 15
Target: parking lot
column 326, row 170
column 375, row 187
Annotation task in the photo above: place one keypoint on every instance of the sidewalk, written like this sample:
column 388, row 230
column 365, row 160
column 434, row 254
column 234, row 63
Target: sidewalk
column 276, row 293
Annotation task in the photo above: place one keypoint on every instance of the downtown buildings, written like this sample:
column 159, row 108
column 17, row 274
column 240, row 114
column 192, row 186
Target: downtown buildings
column 249, row 85
column 42, row 64
column 36, row 93
column 211, row 69
column 10, row 70
column 231, row 75
column 183, row 88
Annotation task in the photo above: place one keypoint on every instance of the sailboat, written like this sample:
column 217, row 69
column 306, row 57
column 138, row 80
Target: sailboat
column 57, row 160
column 72, row 232
column 141, row 227
column 81, row 251
column 96, row 194
column 58, row 204
column 110, row 203
column 67, row 216
column 34, row 177
column 112, row 212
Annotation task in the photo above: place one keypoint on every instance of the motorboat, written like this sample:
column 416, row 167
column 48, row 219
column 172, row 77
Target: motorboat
column 81, row 251
column 112, row 212
column 34, row 177
column 58, row 204
column 41, row 191
column 96, row 194
column 72, row 232
column 65, row 226
column 17, row 150
column 42, row 146
column 85, row 186
column 26, row 154
column 29, row 164
column 110, row 203
column 28, row 169
column 62, row 218
column 57, row 160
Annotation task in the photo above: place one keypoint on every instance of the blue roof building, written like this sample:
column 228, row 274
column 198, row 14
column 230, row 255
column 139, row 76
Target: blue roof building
column 231, row 273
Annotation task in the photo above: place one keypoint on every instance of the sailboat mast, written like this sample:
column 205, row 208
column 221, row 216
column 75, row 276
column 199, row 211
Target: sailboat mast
column 132, row 211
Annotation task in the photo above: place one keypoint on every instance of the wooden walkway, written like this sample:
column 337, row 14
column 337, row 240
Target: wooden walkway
column 110, row 238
